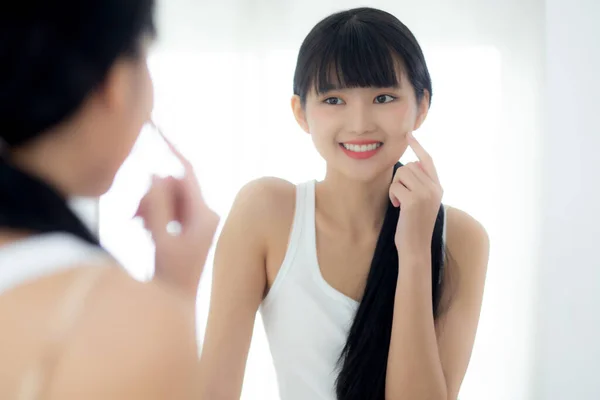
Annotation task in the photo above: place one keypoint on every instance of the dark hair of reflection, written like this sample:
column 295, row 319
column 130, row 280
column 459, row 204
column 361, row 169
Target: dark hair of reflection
column 54, row 54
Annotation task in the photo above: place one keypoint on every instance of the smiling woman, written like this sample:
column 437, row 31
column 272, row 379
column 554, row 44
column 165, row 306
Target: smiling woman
column 354, row 289
column 199, row 89
column 255, row 145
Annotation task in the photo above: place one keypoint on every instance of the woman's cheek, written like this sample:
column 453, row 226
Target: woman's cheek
column 399, row 120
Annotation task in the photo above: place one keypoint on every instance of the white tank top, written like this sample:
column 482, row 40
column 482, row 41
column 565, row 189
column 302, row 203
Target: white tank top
column 306, row 320
column 42, row 255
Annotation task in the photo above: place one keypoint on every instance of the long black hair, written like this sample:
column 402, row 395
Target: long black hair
column 364, row 47
column 54, row 54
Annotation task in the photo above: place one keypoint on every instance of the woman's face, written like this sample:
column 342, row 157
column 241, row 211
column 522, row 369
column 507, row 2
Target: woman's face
column 361, row 132
column 115, row 117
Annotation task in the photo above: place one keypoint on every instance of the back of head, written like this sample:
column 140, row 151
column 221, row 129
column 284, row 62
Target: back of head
column 365, row 47
column 55, row 54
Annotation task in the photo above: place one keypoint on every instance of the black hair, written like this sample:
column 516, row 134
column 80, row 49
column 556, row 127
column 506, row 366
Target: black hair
column 54, row 54
column 366, row 47
column 362, row 47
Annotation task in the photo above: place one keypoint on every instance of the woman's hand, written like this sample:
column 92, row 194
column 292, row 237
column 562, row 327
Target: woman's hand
column 417, row 191
column 180, row 256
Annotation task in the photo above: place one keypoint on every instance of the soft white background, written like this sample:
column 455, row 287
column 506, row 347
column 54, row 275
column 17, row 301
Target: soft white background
column 511, row 130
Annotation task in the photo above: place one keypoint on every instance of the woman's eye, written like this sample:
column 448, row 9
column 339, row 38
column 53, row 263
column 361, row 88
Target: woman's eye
column 384, row 98
column 334, row 101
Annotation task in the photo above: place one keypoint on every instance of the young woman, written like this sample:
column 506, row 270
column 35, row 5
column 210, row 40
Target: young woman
column 74, row 94
column 368, row 287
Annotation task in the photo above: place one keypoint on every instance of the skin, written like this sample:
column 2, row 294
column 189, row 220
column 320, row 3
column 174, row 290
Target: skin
column 130, row 340
column 254, row 239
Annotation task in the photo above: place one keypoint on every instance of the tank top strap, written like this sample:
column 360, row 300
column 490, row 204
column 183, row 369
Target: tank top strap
column 42, row 255
column 298, row 231
column 310, row 211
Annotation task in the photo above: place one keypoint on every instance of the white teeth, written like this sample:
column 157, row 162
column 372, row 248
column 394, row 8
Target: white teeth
column 362, row 148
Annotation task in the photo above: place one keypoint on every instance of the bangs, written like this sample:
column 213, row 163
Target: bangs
column 355, row 56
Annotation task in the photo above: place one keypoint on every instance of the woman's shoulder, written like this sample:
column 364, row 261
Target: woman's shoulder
column 466, row 239
column 463, row 226
column 128, row 326
column 266, row 200
column 267, row 191
column 261, row 216
column 107, row 325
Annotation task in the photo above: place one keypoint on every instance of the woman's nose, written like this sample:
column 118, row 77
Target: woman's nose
column 360, row 119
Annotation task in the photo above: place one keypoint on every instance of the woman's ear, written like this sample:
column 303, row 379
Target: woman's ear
column 299, row 113
column 423, row 110
column 115, row 92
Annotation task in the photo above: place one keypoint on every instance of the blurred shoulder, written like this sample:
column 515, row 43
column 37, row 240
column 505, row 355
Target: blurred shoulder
column 131, row 339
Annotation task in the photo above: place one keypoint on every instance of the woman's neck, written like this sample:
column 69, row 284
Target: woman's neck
column 353, row 205
column 42, row 161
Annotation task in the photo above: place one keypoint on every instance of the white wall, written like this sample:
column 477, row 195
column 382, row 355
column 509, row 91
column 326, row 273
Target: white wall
column 567, row 361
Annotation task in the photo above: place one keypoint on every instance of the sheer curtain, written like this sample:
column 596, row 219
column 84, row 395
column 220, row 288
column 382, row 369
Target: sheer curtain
column 223, row 76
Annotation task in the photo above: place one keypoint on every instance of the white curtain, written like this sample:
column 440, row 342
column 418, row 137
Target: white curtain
column 223, row 76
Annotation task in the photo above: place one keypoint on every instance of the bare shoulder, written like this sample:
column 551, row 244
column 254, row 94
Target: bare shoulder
column 269, row 201
column 467, row 241
column 132, row 340
column 258, row 228
column 265, row 195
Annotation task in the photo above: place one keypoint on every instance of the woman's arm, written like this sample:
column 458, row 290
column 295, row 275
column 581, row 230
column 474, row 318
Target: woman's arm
column 239, row 284
column 427, row 359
